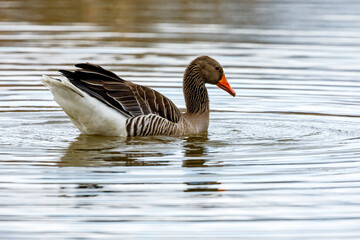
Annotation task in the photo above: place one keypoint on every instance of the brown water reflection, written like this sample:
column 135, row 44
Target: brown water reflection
column 96, row 151
column 92, row 151
column 126, row 14
column 195, row 152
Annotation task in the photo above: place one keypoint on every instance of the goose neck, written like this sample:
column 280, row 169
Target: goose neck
column 195, row 92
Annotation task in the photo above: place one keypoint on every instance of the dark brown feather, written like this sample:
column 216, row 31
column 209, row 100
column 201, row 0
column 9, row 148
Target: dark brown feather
column 130, row 99
column 97, row 69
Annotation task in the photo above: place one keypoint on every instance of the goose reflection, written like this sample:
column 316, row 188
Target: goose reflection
column 196, row 156
column 97, row 151
column 195, row 151
column 82, row 190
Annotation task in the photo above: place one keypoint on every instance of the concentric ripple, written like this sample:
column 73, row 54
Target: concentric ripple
column 281, row 160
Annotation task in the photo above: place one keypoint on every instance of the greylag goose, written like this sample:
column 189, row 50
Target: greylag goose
column 98, row 102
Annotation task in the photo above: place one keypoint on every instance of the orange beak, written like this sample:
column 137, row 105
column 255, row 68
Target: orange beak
column 224, row 85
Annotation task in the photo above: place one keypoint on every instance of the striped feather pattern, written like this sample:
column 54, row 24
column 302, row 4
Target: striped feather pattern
column 130, row 99
column 196, row 96
column 151, row 124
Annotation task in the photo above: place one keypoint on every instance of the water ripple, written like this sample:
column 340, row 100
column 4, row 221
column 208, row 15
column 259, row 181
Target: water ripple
column 280, row 159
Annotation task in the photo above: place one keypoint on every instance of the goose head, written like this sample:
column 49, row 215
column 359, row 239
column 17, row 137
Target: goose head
column 213, row 73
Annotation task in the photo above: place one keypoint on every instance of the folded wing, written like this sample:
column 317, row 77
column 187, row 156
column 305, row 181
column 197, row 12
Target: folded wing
column 130, row 99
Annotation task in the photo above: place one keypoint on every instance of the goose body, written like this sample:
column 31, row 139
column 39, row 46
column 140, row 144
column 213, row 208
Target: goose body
column 98, row 102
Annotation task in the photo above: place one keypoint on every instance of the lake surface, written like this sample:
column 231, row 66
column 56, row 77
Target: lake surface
column 281, row 160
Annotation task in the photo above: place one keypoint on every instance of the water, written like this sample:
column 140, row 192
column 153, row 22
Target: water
column 281, row 160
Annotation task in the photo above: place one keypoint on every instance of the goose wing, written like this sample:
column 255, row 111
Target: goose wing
column 129, row 98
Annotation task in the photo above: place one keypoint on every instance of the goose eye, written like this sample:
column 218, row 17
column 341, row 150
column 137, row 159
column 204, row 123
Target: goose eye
column 217, row 68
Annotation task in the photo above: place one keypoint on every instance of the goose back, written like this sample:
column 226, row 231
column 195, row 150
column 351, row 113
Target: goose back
column 130, row 99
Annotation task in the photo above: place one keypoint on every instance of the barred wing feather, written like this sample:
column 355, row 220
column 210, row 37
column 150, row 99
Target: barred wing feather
column 130, row 99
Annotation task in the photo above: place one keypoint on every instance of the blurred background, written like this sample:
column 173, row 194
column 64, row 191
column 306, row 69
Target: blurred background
column 281, row 160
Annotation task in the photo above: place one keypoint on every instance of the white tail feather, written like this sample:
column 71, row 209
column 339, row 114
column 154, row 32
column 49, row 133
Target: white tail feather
column 88, row 114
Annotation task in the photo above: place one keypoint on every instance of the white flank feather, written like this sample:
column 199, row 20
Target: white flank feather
column 88, row 114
